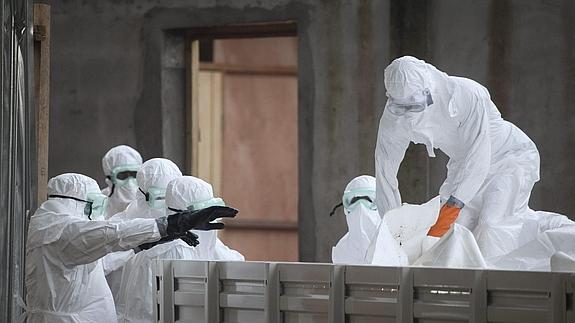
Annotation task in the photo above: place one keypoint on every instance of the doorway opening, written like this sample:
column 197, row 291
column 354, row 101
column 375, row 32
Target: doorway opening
column 243, row 131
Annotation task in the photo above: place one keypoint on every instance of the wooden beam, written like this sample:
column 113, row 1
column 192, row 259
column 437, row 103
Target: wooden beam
column 260, row 224
column 42, row 94
column 193, row 103
column 250, row 69
column 254, row 30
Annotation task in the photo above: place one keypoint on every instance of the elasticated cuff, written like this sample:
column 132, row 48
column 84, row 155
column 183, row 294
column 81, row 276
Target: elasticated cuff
column 162, row 226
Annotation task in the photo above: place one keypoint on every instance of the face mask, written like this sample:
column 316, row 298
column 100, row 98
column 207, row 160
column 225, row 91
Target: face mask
column 412, row 105
column 95, row 204
column 124, row 175
column 156, row 197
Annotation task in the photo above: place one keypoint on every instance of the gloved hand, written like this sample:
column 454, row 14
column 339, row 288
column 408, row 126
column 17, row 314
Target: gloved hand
column 178, row 223
column 189, row 237
column 447, row 215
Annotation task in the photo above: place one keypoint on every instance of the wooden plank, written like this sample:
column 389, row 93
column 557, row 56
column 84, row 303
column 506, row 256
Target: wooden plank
column 217, row 113
column 193, row 133
column 203, row 154
column 253, row 30
column 210, row 128
column 42, row 94
column 260, row 224
column 250, row 69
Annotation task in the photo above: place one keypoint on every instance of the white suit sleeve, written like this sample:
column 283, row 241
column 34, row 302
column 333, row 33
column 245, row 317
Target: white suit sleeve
column 474, row 141
column 85, row 241
column 116, row 260
column 389, row 152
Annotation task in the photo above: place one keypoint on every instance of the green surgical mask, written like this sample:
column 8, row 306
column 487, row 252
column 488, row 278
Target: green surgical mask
column 156, row 197
column 95, row 205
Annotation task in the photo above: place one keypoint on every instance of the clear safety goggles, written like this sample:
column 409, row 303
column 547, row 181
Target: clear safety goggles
column 216, row 201
column 414, row 104
column 353, row 198
column 123, row 175
column 156, row 197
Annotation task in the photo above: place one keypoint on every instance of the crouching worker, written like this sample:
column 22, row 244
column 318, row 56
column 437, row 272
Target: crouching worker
column 364, row 225
column 64, row 276
column 183, row 194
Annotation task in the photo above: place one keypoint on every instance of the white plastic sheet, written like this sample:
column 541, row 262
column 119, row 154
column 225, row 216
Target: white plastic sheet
column 456, row 249
column 409, row 224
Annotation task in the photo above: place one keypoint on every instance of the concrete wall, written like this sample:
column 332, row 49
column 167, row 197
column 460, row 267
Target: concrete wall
column 117, row 78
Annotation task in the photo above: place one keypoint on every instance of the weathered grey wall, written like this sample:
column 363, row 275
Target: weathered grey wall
column 118, row 74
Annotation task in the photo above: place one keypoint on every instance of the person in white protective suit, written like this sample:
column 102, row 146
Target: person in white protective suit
column 492, row 165
column 364, row 223
column 64, row 277
column 191, row 193
column 120, row 165
column 136, row 292
column 152, row 178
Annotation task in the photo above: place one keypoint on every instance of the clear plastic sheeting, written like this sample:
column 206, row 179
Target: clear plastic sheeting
column 17, row 151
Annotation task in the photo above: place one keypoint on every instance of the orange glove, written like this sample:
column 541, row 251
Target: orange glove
column 447, row 215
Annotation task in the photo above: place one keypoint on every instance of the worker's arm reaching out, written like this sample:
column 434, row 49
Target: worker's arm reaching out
column 85, row 241
column 389, row 152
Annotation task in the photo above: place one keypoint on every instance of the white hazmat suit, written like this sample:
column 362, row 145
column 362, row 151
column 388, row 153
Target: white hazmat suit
column 136, row 291
column 492, row 165
column 154, row 175
column 64, row 276
column 363, row 222
column 121, row 190
column 153, row 178
column 191, row 192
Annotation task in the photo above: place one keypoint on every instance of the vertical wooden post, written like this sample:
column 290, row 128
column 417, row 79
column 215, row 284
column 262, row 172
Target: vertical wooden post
column 193, row 131
column 42, row 93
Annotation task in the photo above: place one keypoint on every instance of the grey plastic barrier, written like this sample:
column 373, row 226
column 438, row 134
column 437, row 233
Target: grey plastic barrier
column 209, row 291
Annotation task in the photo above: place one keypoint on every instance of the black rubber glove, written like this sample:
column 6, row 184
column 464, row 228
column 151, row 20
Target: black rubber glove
column 178, row 223
column 189, row 237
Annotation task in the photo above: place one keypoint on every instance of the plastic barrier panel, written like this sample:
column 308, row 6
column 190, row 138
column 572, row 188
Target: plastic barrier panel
column 203, row 291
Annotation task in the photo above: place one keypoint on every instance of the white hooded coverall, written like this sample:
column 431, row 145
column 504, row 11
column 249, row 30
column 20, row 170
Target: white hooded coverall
column 136, row 292
column 362, row 224
column 492, row 165
column 120, row 196
column 64, row 276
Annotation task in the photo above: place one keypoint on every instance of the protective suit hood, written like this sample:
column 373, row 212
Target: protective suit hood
column 362, row 222
column 120, row 195
column 157, row 172
column 407, row 75
column 55, row 213
column 120, row 156
column 185, row 191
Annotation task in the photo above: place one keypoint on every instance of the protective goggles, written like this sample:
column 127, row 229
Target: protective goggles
column 353, row 198
column 416, row 103
column 156, row 197
column 96, row 203
column 216, row 201
column 122, row 175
